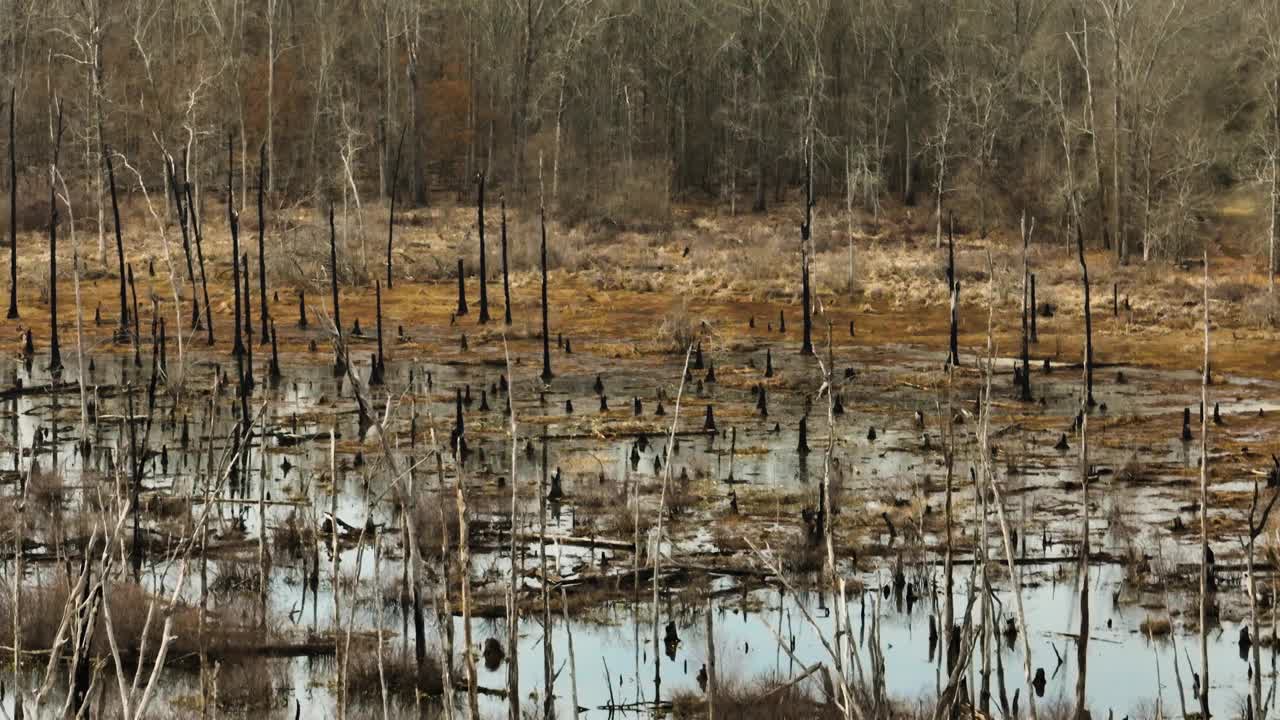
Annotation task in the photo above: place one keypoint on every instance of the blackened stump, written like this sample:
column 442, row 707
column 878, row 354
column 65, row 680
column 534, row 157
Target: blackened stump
column 123, row 329
column 264, row 323
column 204, row 281
column 55, row 353
column 546, row 333
column 462, row 292
column 484, row 275
column 233, row 219
column 506, row 281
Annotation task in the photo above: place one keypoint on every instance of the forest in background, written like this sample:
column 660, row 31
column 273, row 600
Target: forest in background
column 1128, row 118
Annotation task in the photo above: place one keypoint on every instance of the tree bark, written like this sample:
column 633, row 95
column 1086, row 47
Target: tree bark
column 806, row 231
column 13, row 208
column 115, row 213
column 55, row 353
column 1204, row 506
column 506, row 279
column 237, row 348
column 264, row 319
column 546, row 333
column 391, row 213
column 484, row 273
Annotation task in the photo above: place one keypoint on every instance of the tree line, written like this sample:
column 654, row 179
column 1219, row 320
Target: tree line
column 1123, row 117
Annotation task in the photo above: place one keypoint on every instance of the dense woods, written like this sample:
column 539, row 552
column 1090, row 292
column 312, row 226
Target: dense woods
column 1129, row 114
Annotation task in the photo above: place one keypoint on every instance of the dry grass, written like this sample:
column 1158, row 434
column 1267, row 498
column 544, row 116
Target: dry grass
column 249, row 684
column 400, row 672
column 759, row 699
column 1155, row 626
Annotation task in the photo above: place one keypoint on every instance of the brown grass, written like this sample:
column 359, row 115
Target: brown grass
column 1155, row 626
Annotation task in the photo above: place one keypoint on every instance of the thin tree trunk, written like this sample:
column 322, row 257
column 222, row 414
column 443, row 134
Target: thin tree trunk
column 806, row 232
column 204, row 279
column 484, row 273
column 506, row 279
column 1025, row 384
column 1117, row 205
column 1204, row 506
column 546, row 333
column 513, row 601
column 265, row 322
column 391, row 213
column 1088, row 319
column 464, row 572
column 55, row 354
column 13, row 207
column 237, row 348
column 115, row 213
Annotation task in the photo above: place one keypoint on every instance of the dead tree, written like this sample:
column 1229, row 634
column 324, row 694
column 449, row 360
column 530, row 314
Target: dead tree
column 13, row 208
column 182, row 210
column 248, row 331
column 1082, row 644
column 1258, row 516
column 1035, row 336
column 1024, row 381
column 1204, row 505
column 204, row 279
column 546, row 331
column 506, row 280
column 379, row 367
column 123, row 330
column 137, row 319
column 55, row 354
column 391, row 213
column 339, row 366
column 484, row 275
column 953, row 288
column 237, row 348
column 462, row 291
column 806, row 232
column 1088, row 319
column 262, row 246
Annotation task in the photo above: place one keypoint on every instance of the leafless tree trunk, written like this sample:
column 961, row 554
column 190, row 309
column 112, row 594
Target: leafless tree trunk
column 1204, row 506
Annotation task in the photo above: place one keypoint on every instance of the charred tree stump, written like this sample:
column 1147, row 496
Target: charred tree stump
column 248, row 346
column 391, row 213
column 264, row 323
column 122, row 332
column 462, row 292
column 1088, row 318
column 1035, row 336
column 204, row 280
column 506, row 280
column 333, row 284
column 55, row 353
column 275, row 355
column 546, row 332
column 13, row 207
column 179, row 205
column 164, row 351
column 376, row 376
column 484, row 275
column 137, row 324
column 237, row 348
